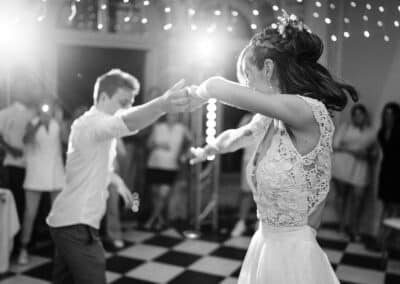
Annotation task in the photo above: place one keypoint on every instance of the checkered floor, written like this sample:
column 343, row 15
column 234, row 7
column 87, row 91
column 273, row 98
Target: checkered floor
column 167, row 257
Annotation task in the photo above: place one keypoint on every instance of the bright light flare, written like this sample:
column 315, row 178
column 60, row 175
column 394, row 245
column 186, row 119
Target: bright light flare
column 15, row 39
column 45, row 108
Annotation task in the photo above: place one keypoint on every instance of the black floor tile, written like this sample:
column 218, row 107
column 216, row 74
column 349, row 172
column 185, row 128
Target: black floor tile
column 122, row 264
column 392, row 279
column 363, row 261
column 236, row 272
column 230, row 252
column 193, row 277
column 6, row 275
column 44, row 272
column 128, row 280
column 330, row 244
column 163, row 241
column 178, row 258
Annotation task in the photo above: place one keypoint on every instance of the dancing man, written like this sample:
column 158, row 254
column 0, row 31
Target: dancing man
column 76, row 213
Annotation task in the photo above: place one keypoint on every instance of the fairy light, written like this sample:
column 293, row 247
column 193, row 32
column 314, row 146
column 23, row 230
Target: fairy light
column 396, row 23
column 380, row 24
column 366, row 34
column 146, row 3
column 368, row 6
column 332, row 6
column 386, row 38
column 235, row 13
column 217, row 13
column 253, row 26
column 346, row 34
column 353, row 4
column 256, row 12
column 328, row 21
column 144, row 21
column 381, row 9
column 333, row 38
column 211, row 123
column 191, row 12
column 275, row 8
column 346, row 20
column 167, row 10
column 167, row 27
column 315, row 15
column 365, row 18
column 318, row 4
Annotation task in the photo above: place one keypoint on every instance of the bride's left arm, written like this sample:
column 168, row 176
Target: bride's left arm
column 291, row 109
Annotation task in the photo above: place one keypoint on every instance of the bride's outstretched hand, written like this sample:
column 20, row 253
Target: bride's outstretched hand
column 195, row 100
column 200, row 154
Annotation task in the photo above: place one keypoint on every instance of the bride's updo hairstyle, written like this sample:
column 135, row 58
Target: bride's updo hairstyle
column 295, row 51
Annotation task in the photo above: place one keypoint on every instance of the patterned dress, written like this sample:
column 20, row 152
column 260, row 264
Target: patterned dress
column 287, row 188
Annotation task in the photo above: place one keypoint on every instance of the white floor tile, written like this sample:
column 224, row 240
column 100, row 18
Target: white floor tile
column 145, row 252
column 229, row 280
column 239, row 242
column 196, row 247
column 137, row 236
column 34, row 261
column 155, row 272
column 334, row 255
column 172, row 233
column 393, row 267
column 360, row 275
column 111, row 276
column 358, row 248
column 215, row 265
column 22, row 279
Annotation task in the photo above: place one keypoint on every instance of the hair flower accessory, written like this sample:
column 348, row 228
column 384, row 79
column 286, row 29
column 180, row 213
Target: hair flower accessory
column 289, row 20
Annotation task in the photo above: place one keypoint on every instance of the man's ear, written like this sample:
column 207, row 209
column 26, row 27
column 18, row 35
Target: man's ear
column 102, row 96
column 269, row 68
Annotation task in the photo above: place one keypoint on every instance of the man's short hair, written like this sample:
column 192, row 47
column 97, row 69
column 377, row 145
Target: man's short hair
column 114, row 79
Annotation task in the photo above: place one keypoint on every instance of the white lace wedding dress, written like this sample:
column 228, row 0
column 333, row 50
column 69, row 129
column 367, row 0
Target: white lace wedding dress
column 287, row 188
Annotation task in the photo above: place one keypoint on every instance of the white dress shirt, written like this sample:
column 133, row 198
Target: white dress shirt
column 83, row 200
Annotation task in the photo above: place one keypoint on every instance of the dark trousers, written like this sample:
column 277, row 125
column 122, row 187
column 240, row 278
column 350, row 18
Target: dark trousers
column 14, row 181
column 79, row 255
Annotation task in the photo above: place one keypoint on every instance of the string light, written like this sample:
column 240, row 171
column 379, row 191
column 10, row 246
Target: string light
column 318, row 4
column 167, row 10
column 316, row 15
column 146, row 3
column 217, row 12
column 256, row 12
column 275, row 8
column 353, row 4
column 253, row 26
column 333, row 38
column 167, row 26
column 396, row 23
column 346, row 34
column 366, row 34
column 328, row 21
column 191, row 12
column 235, row 13
column 144, row 21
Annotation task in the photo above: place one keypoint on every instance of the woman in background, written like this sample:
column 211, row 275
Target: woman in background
column 352, row 147
column 44, row 169
column 165, row 144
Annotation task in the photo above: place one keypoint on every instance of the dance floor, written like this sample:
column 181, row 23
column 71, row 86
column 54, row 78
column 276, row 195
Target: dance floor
column 167, row 257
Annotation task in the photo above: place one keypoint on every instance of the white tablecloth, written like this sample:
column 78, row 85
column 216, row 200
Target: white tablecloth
column 9, row 226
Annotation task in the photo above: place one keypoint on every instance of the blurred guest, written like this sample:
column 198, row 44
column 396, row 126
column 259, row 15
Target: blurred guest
column 44, row 169
column 13, row 122
column 246, row 198
column 350, row 167
column 165, row 143
column 389, row 140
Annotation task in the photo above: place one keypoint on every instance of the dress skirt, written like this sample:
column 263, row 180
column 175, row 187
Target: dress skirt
column 286, row 256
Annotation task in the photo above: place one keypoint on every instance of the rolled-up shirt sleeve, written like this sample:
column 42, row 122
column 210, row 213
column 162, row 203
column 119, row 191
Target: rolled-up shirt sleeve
column 109, row 128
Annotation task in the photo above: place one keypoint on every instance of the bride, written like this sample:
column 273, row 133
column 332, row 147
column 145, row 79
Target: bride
column 292, row 94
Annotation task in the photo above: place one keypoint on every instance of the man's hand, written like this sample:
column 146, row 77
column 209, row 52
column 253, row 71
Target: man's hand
column 195, row 100
column 176, row 99
column 126, row 195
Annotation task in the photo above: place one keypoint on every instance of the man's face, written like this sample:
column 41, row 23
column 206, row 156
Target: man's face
column 122, row 99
